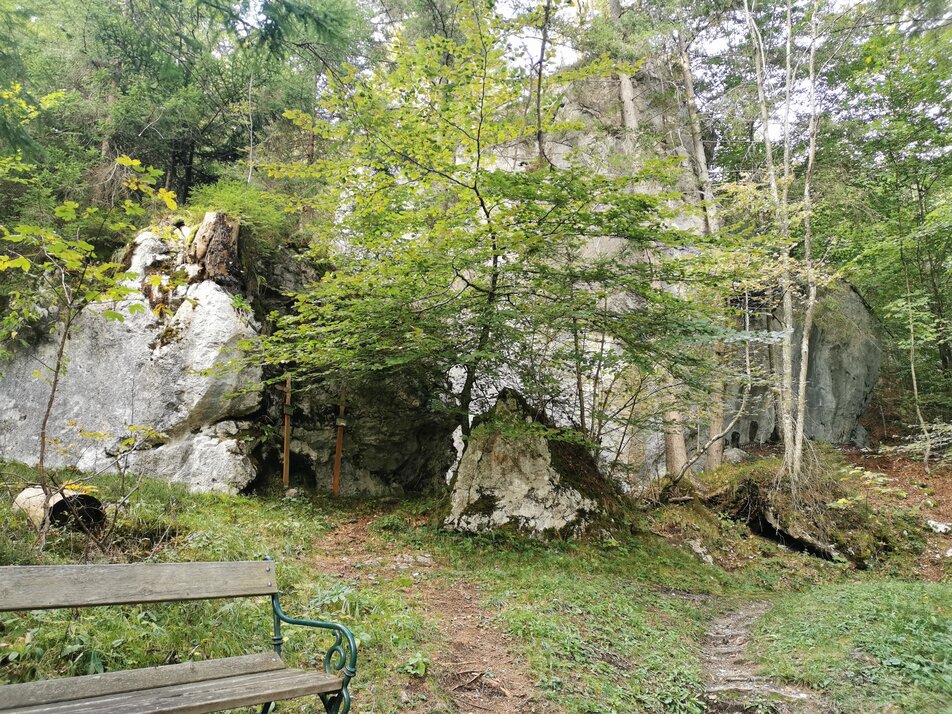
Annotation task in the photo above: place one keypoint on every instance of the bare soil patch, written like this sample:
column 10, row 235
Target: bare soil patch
column 475, row 666
column 733, row 682
column 910, row 487
column 337, row 552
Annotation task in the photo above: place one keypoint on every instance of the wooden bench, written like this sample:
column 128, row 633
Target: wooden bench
column 187, row 688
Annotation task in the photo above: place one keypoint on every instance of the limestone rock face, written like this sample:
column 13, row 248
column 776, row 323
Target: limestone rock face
column 843, row 368
column 516, row 477
column 845, row 359
column 844, row 362
column 148, row 373
column 154, row 377
column 394, row 440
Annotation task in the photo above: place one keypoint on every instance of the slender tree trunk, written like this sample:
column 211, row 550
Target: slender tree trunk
column 923, row 426
column 626, row 87
column 711, row 219
column 314, row 107
column 785, row 386
column 748, row 383
column 808, row 264
column 712, row 225
column 579, row 380
column 188, row 177
column 675, row 452
column 48, row 490
column 251, row 128
column 714, row 454
column 540, row 74
column 485, row 332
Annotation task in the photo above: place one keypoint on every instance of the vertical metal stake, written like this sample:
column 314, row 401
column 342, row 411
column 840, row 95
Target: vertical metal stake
column 335, row 483
column 286, row 474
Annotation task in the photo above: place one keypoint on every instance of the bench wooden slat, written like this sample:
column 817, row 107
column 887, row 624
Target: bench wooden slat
column 200, row 697
column 38, row 587
column 14, row 696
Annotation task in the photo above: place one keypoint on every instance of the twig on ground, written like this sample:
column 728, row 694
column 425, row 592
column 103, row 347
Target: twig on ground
column 478, row 676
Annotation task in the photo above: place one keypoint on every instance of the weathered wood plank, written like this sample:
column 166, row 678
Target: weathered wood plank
column 14, row 696
column 37, row 587
column 200, row 697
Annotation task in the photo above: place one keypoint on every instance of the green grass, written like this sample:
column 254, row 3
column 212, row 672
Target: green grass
column 865, row 645
column 611, row 624
column 602, row 628
column 166, row 523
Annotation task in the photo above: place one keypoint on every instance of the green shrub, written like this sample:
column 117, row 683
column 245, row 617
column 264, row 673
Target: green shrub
column 265, row 213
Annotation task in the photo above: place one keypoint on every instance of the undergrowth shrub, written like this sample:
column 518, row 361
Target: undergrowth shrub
column 266, row 214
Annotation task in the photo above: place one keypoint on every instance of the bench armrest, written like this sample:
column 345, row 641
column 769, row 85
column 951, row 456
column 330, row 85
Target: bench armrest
column 340, row 659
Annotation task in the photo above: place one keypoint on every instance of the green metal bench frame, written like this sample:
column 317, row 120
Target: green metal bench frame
column 26, row 588
column 340, row 658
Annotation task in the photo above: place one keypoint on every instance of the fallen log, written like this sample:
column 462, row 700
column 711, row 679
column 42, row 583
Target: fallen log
column 66, row 508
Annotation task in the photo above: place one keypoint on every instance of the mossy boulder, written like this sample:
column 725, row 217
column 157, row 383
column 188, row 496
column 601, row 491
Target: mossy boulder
column 823, row 516
column 519, row 471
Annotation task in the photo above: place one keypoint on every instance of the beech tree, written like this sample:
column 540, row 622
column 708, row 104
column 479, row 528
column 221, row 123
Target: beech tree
column 441, row 257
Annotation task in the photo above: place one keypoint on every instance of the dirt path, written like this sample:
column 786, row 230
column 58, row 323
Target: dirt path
column 472, row 664
column 733, row 682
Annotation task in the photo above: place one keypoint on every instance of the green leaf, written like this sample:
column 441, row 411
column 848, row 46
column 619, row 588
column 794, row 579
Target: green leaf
column 7, row 263
column 66, row 211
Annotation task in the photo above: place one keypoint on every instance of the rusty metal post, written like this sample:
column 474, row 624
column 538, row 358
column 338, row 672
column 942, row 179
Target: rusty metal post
column 286, row 473
column 341, row 423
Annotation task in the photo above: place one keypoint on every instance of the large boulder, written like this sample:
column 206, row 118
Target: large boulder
column 844, row 363
column 155, row 377
column 161, row 379
column 515, row 474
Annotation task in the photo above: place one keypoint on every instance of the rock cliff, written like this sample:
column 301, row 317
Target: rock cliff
column 163, row 379
column 149, row 377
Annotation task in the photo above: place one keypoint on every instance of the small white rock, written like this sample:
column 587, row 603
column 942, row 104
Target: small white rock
column 733, row 455
column 941, row 528
column 700, row 552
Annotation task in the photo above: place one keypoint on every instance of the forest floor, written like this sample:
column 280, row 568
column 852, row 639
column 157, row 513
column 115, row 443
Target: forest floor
column 633, row 621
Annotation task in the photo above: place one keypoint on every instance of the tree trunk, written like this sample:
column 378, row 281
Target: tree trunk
column 189, row 176
column 540, row 74
column 48, row 490
column 797, row 465
column 675, row 453
column 626, row 88
column 785, row 382
column 712, row 222
column 712, row 225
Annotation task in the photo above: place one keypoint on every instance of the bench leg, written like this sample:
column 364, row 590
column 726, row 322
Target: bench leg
column 265, row 708
column 337, row 703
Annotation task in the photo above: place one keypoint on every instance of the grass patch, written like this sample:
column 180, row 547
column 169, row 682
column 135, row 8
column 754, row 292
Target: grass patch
column 614, row 623
column 603, row 626
column 165, row 523
column 865, row 645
